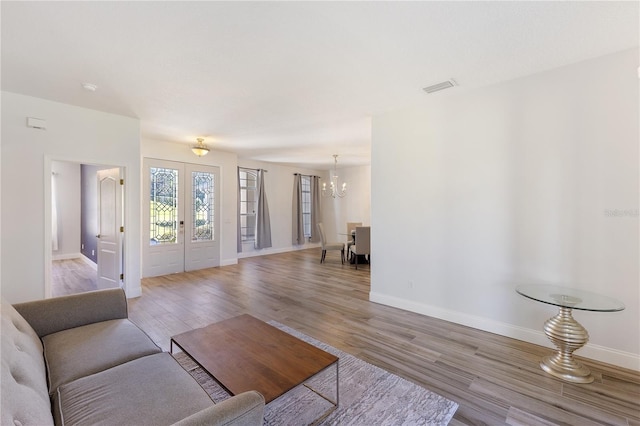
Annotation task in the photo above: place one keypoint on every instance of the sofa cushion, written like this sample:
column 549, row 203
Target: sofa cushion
column 25, row 399
column 48, row 316
column 243, row 409
column 153, row 390
column 81, row 351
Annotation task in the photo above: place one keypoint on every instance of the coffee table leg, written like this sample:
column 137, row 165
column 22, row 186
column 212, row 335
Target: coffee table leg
column 568, row 335
column 337, row 385
column 334, row 403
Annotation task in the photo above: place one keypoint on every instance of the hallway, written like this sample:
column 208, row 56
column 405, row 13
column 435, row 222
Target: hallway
column 70, row 276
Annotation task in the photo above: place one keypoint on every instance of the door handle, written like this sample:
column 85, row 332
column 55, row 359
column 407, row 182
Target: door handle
column 98, row 236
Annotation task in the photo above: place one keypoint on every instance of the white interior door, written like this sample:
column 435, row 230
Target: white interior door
column 182, row 219
column 109, row 228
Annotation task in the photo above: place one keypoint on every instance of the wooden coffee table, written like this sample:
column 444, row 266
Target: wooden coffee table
column 244, row 353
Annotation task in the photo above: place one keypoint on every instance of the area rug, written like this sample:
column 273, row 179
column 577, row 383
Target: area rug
column 369, row 395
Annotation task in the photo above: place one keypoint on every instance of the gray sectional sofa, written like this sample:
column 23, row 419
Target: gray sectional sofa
column 79, row 360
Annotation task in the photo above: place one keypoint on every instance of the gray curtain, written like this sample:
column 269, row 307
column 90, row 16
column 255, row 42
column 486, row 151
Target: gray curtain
column 239, row 242
column 263, row 222
column 298, row 223
column 315, row 208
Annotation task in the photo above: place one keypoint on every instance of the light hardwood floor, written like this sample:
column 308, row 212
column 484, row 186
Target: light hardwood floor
column 496, row 380
column 72, row 276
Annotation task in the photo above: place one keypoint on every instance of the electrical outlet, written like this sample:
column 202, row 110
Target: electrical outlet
column 410, row 283
column 82, row 246
column 93, row 252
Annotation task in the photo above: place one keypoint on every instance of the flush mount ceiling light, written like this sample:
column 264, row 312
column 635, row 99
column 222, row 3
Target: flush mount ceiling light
column 440, row 86
column 90, row 87
column 200, row 148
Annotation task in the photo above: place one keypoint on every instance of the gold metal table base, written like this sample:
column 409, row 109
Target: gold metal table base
column 568, row 335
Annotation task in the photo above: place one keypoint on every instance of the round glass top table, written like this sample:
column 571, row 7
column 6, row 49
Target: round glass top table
column 567, row 334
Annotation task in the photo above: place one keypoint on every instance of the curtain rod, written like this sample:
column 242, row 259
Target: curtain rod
column 302, row 174
column 249, row 168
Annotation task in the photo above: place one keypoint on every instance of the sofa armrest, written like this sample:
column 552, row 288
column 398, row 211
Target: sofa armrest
column 244, row 409
column 61, row 313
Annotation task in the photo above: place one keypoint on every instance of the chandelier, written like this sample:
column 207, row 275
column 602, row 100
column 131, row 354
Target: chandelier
column 333, row 190
column 200, row 149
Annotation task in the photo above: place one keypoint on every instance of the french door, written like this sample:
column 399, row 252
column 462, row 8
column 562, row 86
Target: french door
column 181, row 220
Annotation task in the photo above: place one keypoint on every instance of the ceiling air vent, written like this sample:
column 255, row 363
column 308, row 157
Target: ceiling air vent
column 441, row 86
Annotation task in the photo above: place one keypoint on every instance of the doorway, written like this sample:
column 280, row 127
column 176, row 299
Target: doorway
column 84, row 200
column 180, row 217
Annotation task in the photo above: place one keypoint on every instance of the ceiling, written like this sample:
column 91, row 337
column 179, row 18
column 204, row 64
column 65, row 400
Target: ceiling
column 289, row 82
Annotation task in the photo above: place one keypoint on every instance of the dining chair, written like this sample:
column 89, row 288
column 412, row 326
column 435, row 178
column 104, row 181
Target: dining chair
column 351, row 227
column 329, row 245
column 362, row 246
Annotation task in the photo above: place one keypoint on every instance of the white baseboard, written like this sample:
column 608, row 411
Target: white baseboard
column 228, row 262
column 66, row 256
column 89, row 262
column 267, row 251
column 596, row 352
column 80, row 256
column 134, row 290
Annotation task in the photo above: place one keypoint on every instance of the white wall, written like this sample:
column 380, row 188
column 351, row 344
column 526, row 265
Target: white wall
column 353, row 207
column 514, row 184
column 279, row 189
column 66, row 177
column 73, row 134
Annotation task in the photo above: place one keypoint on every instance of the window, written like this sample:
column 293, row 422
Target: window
column 248, row 197
column 306, row 205
column 305, row 213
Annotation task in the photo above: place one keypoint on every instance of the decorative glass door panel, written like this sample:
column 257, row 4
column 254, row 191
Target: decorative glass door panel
column 202, row 227
column 163, row 206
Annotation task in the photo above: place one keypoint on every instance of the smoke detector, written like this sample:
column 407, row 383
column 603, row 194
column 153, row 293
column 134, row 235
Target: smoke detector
column 440, row 86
